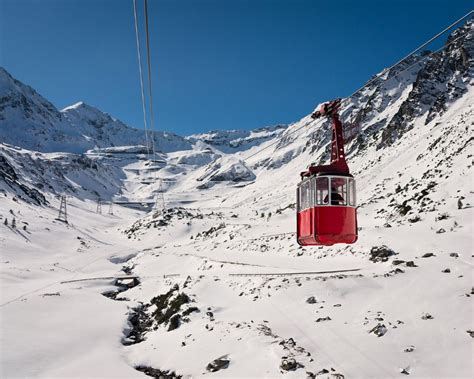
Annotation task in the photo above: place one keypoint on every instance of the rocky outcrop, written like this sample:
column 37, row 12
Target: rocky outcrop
column 444, row 78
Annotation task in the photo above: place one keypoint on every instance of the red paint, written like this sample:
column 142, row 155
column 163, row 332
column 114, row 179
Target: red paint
column 327, row 225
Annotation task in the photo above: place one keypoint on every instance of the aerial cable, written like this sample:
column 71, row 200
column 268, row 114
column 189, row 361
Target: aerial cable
column 377, row 77
column 137, row 35
column 150, row 92
column 418, row 49
column 394, row 76
column 160, row 199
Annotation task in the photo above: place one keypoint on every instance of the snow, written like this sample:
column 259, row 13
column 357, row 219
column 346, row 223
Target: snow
column 227, row 240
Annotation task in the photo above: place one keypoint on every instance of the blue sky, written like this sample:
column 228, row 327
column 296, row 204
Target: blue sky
column 217, row 64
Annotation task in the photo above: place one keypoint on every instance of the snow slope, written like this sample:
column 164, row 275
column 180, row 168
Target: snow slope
column 221, row 279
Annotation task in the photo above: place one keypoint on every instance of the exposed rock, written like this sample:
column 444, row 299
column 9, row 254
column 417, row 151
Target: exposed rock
column 289, row 364
column 379, row 330
column 327, row 318
column 380, row 253
column 158, row 374
column 426, row 316
column 168, row 308
column 289, row 342
column 405, row 371
column 140, row 323
column 25, row 192
column 218, row 364
column 442, row 79
column 414, row 219
column 311, row 300
column 174, row 322
column 427, row 255
column 227, row 169
column 446, row 271
column 397, row 262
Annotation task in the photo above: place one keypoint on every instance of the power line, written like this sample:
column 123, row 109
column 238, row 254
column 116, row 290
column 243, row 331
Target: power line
column 139, row 54
column 160, row 205
column 150, row 92
column 160, row 198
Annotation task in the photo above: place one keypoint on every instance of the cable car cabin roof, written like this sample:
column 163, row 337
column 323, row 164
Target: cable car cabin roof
column 321, row 174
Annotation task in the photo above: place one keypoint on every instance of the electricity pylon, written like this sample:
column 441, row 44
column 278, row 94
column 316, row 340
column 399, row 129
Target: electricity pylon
column 160, row 199
column 111, row 209
column 62, row 216
column 99, row 206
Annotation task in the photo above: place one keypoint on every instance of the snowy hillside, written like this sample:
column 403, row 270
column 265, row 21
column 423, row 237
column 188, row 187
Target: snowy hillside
column 215, row 285
column 233, row 140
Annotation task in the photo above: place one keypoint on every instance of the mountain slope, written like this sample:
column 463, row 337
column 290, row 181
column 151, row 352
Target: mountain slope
column 219, row 282
column 28, row 120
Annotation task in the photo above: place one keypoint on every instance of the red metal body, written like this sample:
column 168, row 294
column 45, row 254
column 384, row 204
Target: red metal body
column 326, row 207
column 327, row 225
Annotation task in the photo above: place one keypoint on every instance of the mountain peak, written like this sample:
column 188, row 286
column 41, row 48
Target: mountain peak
column 77, row 105
column 81, row 106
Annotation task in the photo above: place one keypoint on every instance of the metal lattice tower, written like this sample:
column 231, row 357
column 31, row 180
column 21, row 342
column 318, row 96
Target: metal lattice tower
column 111, row 208
column 99, row 206
column 62, row 216
column 160, row 198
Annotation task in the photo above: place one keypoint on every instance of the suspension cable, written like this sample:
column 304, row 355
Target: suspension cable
column 417, row 49
column 137, row 35
column 377, row 77
column 150, row 97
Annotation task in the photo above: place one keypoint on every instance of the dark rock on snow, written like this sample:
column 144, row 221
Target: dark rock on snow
column 380, row 253
column 379, row 330
column 218, row 364
column 158, row 374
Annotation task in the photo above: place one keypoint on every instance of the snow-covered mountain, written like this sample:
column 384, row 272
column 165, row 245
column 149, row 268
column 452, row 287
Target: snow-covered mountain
column 229, row 141
column 30, row 121
column 218, row 281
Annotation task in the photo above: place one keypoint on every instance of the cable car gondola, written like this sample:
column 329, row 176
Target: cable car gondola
column 326, row 195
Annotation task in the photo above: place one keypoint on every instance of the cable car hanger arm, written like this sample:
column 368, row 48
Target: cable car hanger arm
column 338, row 163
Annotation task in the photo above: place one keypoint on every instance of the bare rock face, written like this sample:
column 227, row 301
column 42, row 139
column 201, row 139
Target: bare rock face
column 23, row 191
column 444, row 78
column 226, row 170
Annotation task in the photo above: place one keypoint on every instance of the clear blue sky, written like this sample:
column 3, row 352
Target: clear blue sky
column 217, row 64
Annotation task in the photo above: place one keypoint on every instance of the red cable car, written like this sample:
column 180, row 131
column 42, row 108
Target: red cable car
column 326, row 195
